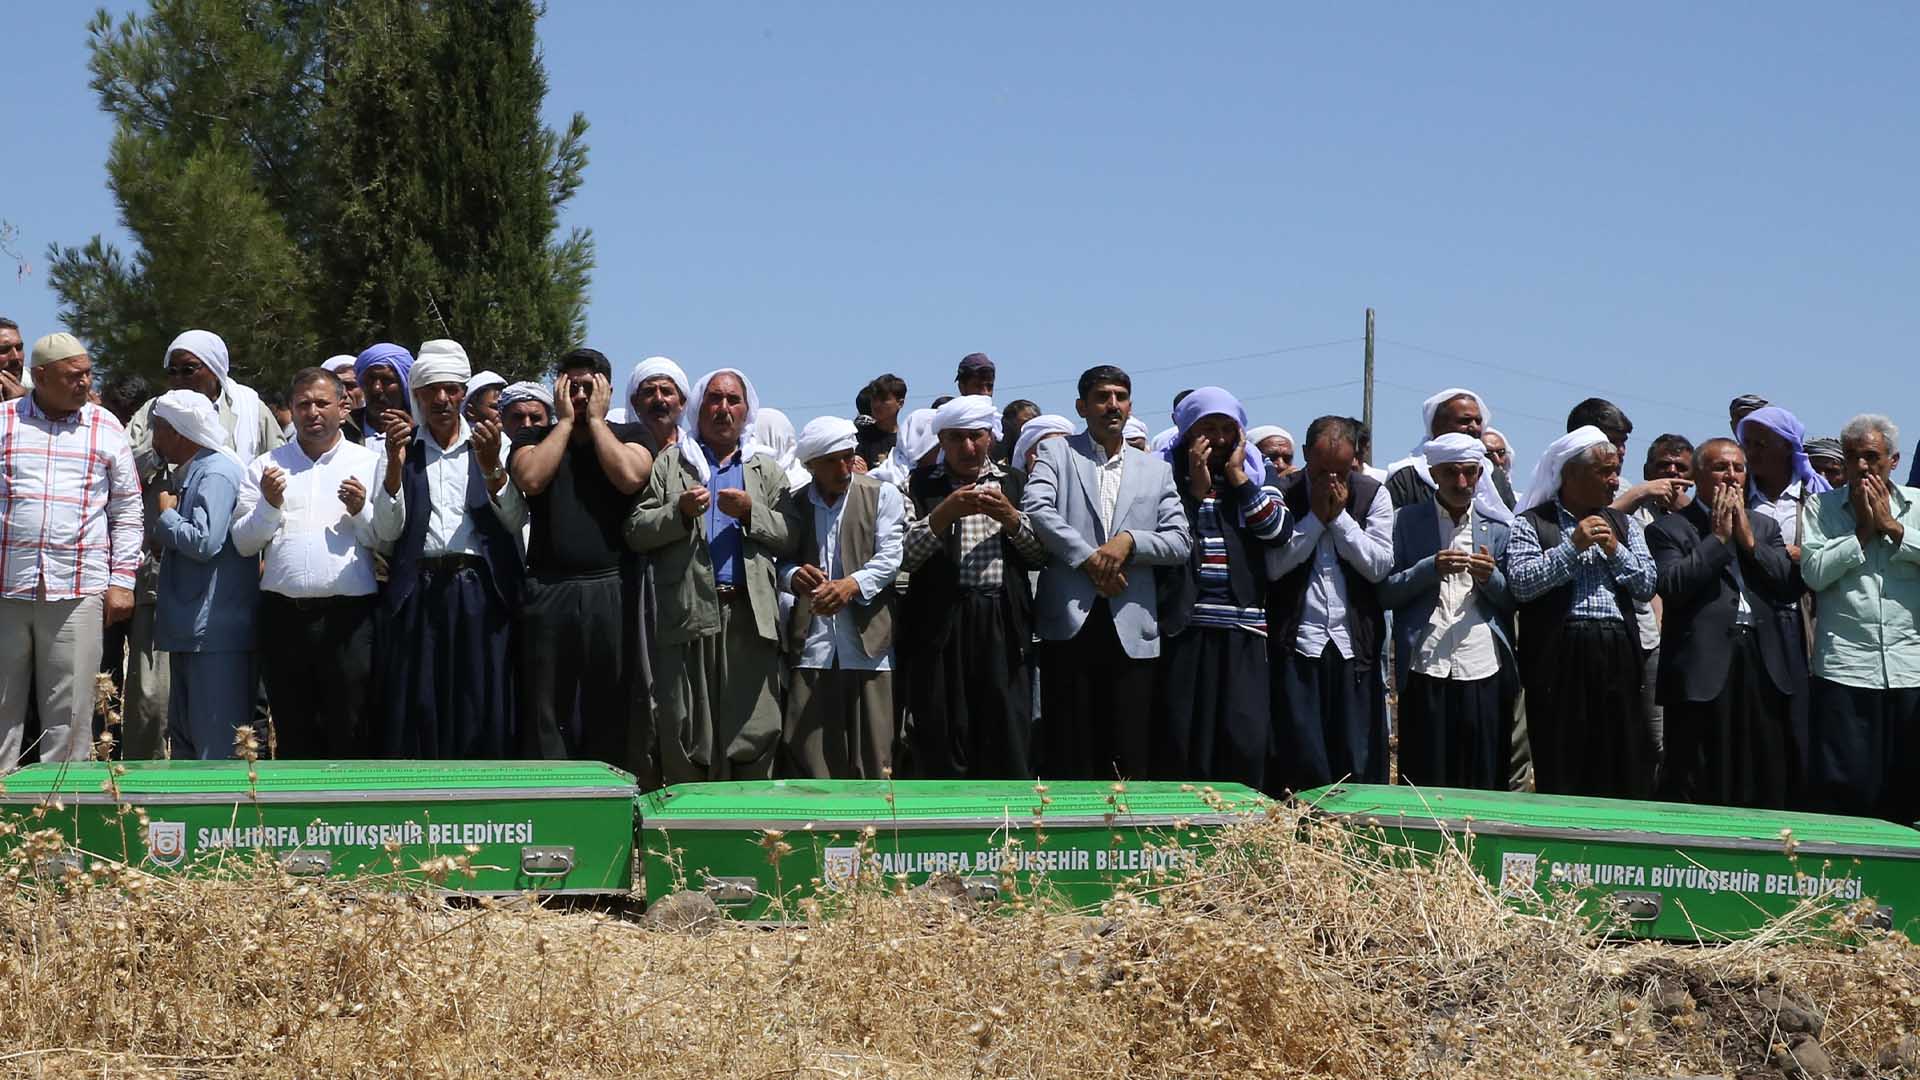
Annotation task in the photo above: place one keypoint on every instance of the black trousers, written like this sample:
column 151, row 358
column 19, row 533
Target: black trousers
column 1865, row 752
column 575, row 699
column 1330, row 721
column 1457, row 732
column 1096, row 705
column 1583, row 713
column 1737, row 749
column 317, row 658
column 1213, row 701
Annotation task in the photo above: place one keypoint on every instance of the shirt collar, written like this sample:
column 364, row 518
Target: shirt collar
column 426, row 434
column 30, row 406
column 714, row 459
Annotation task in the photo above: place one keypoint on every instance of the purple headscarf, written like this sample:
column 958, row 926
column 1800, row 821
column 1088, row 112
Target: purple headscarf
column 1787, row 426
column 393, row 356
column 1214, row 401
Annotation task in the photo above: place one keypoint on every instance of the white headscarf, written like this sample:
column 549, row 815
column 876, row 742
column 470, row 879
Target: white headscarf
column 692, row 451
column 652, row 368
column 1261, row 434
column 916, row 438
column 191, row 413
column 338, row 364
column 1486, row 497
column 1545, row 486
column 775, row 432
column 970, row 412
column 1036, row 429
column 1136, row 428
column 824, row 435
column 245, row 404
column 483, row 380
column 440, row 361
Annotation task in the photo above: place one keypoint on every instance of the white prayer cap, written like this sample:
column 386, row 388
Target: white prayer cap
column 824, row 435
column 652, row 368
column 1261, row 434
column 1545, row 486
column 338, row 364
column 1039, row 428
column 483, row 380
column 204, row 344
column 526, row 391
column 440, row 361
column 191, row 413
column 1431, row 406
column 970, row 412
column 1454, row 447
column 1136, row 428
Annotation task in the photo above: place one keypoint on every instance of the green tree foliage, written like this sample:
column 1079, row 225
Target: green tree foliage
column 310, row 176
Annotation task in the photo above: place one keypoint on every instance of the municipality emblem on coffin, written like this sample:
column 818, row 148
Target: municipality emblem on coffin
column 167, row 842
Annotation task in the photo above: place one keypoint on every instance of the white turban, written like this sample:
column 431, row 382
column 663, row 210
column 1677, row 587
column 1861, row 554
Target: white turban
column 1546, row 472
column 527, row 391
column 1431, row 406
column 916, row 438
column 483, row 380
column 1485, row 496
column 690, row 421
column 212, row 351
column 1454, row 447
column 1039, row 428
column 338, row 364
column 971, row 412
column 1261, row 434
column 192, row 414
column 652, row 368
column 824, row 435
column 1136, row 429
column 204, row 344
column 775, row 432
column 440, row 361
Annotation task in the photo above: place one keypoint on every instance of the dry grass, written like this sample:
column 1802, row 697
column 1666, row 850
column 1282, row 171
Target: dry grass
column 1289, row 956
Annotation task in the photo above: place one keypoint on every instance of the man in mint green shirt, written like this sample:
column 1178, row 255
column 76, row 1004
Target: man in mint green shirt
column 1860, row 555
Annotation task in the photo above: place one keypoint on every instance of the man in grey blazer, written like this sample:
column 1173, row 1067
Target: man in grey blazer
column 1453, row 659
column 1108, row 514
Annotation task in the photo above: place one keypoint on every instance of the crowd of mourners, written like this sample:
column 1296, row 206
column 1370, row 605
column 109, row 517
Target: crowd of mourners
column 398, row 557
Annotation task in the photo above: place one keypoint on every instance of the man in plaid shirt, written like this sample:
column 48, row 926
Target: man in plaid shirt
column 70, row 527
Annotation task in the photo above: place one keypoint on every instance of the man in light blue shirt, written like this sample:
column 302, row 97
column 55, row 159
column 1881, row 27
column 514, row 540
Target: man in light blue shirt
column 203, row 618
column 1860, row 554
column 849, row 529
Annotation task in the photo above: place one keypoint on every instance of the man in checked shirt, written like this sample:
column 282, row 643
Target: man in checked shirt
column 966, row 635
column 70, row 521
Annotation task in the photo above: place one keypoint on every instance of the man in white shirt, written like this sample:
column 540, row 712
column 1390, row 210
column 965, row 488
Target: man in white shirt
column 1326, row 626
column 304, row 508
column 850, row 529
column 444, row 504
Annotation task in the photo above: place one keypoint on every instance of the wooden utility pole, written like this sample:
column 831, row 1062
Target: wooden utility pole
column 1366, row 407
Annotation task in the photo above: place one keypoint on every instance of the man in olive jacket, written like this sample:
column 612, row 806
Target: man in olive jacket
column 713, row 519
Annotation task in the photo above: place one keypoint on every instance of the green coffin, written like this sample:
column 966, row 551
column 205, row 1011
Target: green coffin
column 559, row 827
column 759, row 848
column 1661, row 870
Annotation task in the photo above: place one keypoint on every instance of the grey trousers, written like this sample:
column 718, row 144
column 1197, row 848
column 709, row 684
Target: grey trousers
column 715, row 703
column 148, row 685
column 49, row 649
column 840, row 723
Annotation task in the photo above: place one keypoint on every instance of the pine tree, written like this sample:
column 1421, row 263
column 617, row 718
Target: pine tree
column 309, row 176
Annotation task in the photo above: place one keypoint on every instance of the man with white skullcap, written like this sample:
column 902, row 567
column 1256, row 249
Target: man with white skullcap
column 966, row 647
column 1110, row 517
column 1453, row 659
column 657, row 397
column 1576, row 566
column 713, row 521
column 203, row 619
column 1454, row 409
column 196, row 360
column 70, row 536
column 342, row 368
column 578, row 643
column 1275, row 444
column 848, row 530
column 445, row 508
column 306, row 512
column 483, row 396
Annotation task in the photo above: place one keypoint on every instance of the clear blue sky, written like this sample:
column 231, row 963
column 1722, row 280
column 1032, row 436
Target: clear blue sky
column 1664, row 204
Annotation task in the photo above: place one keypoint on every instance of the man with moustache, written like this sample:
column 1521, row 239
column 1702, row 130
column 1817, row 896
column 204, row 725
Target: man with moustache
column 579, row 478
column 525, row 406
column 1576, row 565
column 381, row 373
column 1275, row 445
column 14, row 382
column 1458, row 410
column 445, row 507
column 657, row 397
column 1108, row 514
column 713, row 520
column 1731, row 656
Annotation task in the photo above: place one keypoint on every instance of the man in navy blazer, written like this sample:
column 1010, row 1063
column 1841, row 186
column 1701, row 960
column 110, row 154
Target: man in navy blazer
column 1453, row 659
column 1108, row 514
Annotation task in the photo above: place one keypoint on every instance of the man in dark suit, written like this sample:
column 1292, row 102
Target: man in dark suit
column 1731, row 663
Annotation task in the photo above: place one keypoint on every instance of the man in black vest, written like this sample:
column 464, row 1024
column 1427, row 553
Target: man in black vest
column 848, row 529
column 443, row 663
column 1576, row 566
column 1325, row 624
column 1732, row 663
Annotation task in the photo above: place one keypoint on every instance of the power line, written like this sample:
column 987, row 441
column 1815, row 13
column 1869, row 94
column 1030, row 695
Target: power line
column 1525, row 373
column 1288, row 392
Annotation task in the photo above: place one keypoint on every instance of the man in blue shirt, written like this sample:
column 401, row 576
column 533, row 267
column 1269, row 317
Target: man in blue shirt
column 204, row 616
